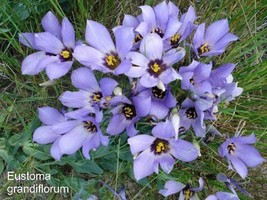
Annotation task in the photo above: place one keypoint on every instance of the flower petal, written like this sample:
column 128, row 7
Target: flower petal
column 183, row 150
column 68, row 34
column 162, row 14
column 123, row 67
column 91, row 142
column 89, row 56
column 152, row 46
column 124, row 37
column 142, row 104
column 144, row 165
column 51, row 24
column 158, row 109
column 44, row 135
column 148, row 16
column 28, row 40
column 50, row 116
column 107, row 86
column 98, row 37
column 148, row 81
column 113, row 128
column 75, row 99
column 249, row 155
column 84, row 79
column 216, row 31
column 130, row 21
column 239, row 166
column 171, row 187
column 198, row 38
column 58, row 69
column 49, row 43
column 164, row 130
column 166, row 162
column 73, row 140
column 55, row 151
column 29, row 64
column 140, row 143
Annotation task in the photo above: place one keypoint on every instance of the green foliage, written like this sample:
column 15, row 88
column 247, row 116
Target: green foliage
column 22, row 95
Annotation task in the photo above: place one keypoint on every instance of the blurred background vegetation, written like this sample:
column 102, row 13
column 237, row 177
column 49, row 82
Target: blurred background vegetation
column 22, row 95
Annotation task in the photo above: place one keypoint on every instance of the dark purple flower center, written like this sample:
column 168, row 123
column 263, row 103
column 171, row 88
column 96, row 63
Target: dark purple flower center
column 96, row 97
column 203, row 48
column 158, row 31
column 89, row 126
column 66, row 55
column 191, row 113
column 187, row 192
column 231, row 148
column 129, row 111
column 137, row 38
column 160, row 146
column 112, row 60
column 191, row 80
column 175, row 39
column 158, row 93
column 156, row 67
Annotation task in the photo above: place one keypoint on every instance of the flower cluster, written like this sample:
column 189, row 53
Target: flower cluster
column 150, row 51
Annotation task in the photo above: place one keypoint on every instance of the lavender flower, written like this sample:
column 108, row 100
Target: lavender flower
column 152, row 20
column 152, row 65
column 91, row 95
column 159, row 101
column 223, row 196
column 68, row 135
column 187, row 192
column 195, row 78
column 125, row 115
column 178, row 30
column 240, row 154
column 159, row 149
column 55, row 47
column 104, row 55
column 214, row 40
column 191, row 115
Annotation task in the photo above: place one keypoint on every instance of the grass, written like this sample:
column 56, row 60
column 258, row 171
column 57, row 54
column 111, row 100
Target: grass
column 22, row 95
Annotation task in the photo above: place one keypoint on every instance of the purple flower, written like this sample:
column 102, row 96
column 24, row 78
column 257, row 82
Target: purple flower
column 104, row 55
column 178, row 30
column 186, row 191
column 55, row 47
column 158, row 101
column 223, row 196
column 152, row 65
column 195, row 78
column 68, row 135
column 191, row 115
column 214, row 40
column 125, row 115
column 159, row 149
column 240, row 153
column 152, row 20
column 91, row 94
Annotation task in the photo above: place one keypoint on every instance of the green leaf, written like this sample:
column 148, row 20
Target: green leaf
column 2, row 166
column 86, row 166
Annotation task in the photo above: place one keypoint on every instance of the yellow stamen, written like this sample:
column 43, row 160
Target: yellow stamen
column 160, row 147
column 108, row 98
column 65, row 54
column 175, row 38
column 204, row 48
column 112, row 61
column 155, row 67
column 96, row 97
column 187, row 194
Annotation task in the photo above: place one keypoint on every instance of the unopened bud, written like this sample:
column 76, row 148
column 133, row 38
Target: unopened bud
column 117, row 91
column 47, row 83
column 161, row 86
